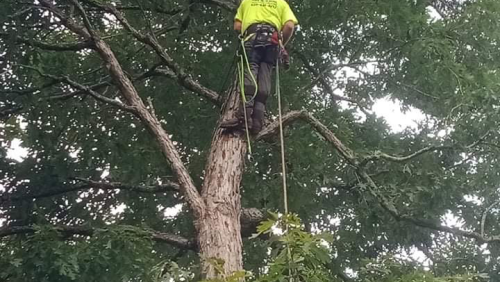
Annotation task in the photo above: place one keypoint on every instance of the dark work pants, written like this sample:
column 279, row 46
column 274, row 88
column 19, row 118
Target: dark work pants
column 262, row 60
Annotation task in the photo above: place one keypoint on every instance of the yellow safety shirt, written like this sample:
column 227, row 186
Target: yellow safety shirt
column 273, row 12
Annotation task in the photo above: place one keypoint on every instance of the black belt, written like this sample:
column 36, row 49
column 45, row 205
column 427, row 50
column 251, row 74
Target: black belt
column 261, row 27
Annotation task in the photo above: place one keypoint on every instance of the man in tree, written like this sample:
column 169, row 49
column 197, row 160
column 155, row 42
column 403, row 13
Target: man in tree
column 265, row 26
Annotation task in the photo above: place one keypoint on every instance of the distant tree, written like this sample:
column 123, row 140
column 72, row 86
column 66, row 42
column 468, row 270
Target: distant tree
column 118, row 104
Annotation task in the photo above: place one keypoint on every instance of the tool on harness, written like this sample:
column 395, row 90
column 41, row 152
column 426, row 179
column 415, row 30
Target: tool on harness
column 284, row 58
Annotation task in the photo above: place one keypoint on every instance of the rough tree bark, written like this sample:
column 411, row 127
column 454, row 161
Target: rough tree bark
column 219, row 233
column 217, row 209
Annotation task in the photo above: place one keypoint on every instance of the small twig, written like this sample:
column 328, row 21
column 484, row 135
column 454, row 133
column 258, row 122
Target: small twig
column 485, row 213
column 151, row 107
column 86, row 21
column 380, row 155
column 83, row 88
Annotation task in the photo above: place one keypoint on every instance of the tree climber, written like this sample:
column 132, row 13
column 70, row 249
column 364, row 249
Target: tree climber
column 265, row 26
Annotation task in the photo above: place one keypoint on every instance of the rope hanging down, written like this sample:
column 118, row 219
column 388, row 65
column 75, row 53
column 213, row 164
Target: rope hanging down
column 241, row 76
column 283, row 161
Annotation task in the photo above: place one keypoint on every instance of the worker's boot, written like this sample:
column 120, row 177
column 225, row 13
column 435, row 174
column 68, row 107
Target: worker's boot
column 259, row 111
column 239, row 121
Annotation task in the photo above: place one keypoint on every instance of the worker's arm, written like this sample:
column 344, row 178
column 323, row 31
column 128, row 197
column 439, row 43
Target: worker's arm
column 288, row 31
column 237, row 26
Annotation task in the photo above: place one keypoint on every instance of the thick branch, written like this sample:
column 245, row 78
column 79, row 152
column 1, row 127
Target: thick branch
column 317, row 125
column 133, row 101
column 250, row 219
column 272, row 129
column 174, row 240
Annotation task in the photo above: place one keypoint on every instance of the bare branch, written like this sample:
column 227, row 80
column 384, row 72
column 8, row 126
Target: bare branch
column 485, row 213
column 171, row 239
column 380, row 155
column 66, row 21
column 317, row 125
column 155, row 9
column 168, row 186
column 89, row 184
column 182, row 77
column 78, row 46
column 325, row 85
column 272, row 129
column 85, row 89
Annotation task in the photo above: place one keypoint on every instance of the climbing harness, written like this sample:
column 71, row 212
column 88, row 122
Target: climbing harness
column 244, row 60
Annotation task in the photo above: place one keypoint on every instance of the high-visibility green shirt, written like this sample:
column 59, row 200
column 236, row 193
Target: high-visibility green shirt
column 273, row 12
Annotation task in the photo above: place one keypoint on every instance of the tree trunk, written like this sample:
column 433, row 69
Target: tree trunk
column 219, row 232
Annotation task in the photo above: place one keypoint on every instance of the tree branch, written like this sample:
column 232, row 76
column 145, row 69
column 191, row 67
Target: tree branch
column 133, row 101
column 370, row 186
column 65, row 20
column 86, row 21
column 485, row 213
column 272, row 129
column 85, row 89
column 250, row 218
column 89, row 184
column 182, row 77
column 168, row 186
column 171, row 239
column 379, row 155
column 29, row 90
column 147, row 74
column 7, row 112
column 78, row 46
column 317, row 125
column 325, row 85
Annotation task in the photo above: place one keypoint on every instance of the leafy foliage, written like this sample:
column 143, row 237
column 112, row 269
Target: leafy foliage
column 361, row 50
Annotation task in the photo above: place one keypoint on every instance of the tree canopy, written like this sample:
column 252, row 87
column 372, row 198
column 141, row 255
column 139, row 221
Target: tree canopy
column 96, row 200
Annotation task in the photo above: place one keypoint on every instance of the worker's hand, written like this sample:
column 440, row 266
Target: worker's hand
column 284, row 58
